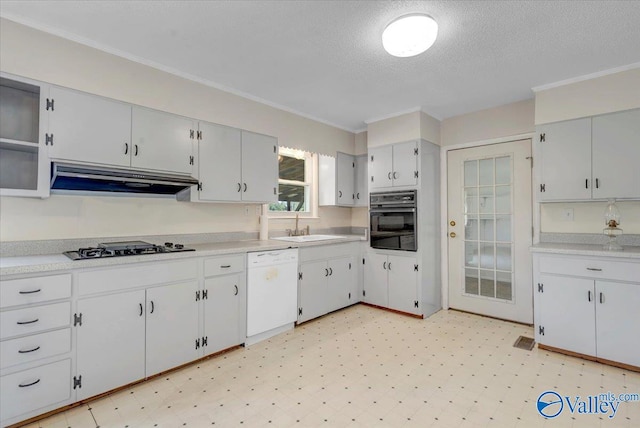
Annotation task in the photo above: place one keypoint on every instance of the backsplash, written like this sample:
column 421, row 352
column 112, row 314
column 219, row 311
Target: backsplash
column 629, row 240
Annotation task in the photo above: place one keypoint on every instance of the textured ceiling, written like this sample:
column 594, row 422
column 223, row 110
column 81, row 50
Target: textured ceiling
column 324, row 59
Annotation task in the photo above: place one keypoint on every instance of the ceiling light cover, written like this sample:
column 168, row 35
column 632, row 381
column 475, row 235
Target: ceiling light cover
column 410, row 35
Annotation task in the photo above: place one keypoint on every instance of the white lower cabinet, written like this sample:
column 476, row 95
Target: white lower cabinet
column 589, row 306
column 392, row 282
column 312, row 290
column 224, row 302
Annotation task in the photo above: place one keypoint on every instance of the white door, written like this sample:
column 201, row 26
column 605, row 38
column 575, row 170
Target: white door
column 403, row 284
column 405, row 164
column 380, row 167
column 219, row 160
column 345, row 177
column 567, row 314
column 222, row 313
column 362, row 196
column 340, row 285
column 312, row 297
column 89, row 128
column 375, row 280
column 110, row 342
column 162, row 141
column 616, row 151
column 564, row 150
column 490, row 228
column 259, row 168
column 172, row 326
column 618, row 322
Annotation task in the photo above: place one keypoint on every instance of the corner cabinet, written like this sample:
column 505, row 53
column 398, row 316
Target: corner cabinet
column 589, row 158
column 236, row 165
column 395, row 165
column 588, row 305
column 24, row 110
column 392, row 282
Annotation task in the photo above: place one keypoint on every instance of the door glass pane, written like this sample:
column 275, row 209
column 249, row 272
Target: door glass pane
column 471, row 281
column 471, row 253
column 486, row 200
column 486, row 256
column 471, row 173
column 503, row 257
column 503, row 170
column 487, row 283
column 486, row 228
column 471, row 200
column 471, row 228
column 503, row 228
column 503, row 285
column 486, row 172
column 503, row 199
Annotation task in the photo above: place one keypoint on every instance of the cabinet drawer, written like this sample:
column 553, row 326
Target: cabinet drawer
column 590, row 267
column 224, row 265
column 142, row 275
column 34, row 347
column 35, row 388
column 33, row 290
column 35, row 319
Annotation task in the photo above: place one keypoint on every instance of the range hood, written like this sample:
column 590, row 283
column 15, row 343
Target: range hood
column 90, row 178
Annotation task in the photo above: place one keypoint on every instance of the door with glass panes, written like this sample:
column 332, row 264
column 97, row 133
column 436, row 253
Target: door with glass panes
column 489, row 230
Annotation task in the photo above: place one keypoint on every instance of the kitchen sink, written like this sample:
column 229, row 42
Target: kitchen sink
column 308, row 238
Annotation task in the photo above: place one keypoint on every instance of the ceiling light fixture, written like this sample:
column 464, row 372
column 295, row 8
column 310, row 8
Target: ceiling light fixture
column 409, row 35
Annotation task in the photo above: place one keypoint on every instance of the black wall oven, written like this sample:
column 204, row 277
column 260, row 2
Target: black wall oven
column 393, row 221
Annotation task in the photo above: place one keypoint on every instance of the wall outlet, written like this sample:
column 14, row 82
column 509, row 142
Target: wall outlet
column 567, row 214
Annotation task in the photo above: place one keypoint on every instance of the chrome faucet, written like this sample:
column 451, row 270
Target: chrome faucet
column 297, row 231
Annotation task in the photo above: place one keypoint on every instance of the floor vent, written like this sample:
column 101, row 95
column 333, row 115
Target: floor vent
column 524, row 343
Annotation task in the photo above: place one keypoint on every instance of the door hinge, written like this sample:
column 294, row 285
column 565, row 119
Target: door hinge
column 415, row 174
column 192, row 134
column 364, row 293
column 299, row 311
column 542, row 137
column 77, row 382
column 204, row 341
column 50, row 102
column 542, row 188
column 198, row 343
column 199, row 134
column 415, row 152
column 77, row 319
column 299, row 275
column 48, row 139
column 415, row 303
column 540, row 288
column 205, row 294
column 415, row 268
column 190, row 160
column 199, row 186
column 541, row 330
column 275, row 149
column 197, row 295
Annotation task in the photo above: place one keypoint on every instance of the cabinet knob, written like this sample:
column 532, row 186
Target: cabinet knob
column 453, row 234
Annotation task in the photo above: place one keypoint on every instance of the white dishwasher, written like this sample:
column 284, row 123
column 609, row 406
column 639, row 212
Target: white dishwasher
column 272, row 293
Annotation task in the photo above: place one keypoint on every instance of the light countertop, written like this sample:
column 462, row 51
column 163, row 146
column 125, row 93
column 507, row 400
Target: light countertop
column 585, row 250
column 60, row 262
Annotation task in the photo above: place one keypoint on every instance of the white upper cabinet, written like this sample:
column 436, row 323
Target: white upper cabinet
column 259, row 167
column 395, row 165
column 616, row 155
column 361, row 186
column 337, row 180
column 589, row 158
column 219, row 160
column 89, row 128
column 162, row 141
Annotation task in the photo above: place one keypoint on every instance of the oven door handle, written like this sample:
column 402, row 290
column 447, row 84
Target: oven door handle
column 393, row 210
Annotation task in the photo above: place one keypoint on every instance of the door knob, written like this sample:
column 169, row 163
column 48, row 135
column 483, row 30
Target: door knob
column 452, row 234
column 452, row 223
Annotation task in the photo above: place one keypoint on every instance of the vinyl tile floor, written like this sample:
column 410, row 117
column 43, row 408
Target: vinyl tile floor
column 366, row 367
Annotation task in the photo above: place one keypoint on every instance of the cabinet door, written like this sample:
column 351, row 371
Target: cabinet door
column 259, row 167
column 616, row 151
column 172, row 326
column 380, row 167
column 219, row 161
column 110, row 342
column 345, row 178
column 362, row 195
column 565, row 160
column 222, row 312
column 405, row 164
column 403, row 284
column 312, row 290
column 341, row 286
column 618, row 322
column 375, row 280
column 162, row 141
column 567, row 314
column 89, row 128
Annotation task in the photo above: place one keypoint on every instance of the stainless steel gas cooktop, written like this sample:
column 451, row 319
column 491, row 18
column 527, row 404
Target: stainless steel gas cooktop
column 124, row 248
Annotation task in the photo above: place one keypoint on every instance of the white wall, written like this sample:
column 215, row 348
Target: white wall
column 405, row 127
column 40, row 56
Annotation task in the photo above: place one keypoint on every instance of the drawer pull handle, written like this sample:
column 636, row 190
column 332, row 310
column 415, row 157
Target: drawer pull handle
column 28, row 322
column 225, row 266
column 28, row 350
column 24, row 385
column 595, row 269
column 30, row 291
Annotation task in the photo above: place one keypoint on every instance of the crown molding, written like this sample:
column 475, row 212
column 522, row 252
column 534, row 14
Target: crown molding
column 586, row 77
